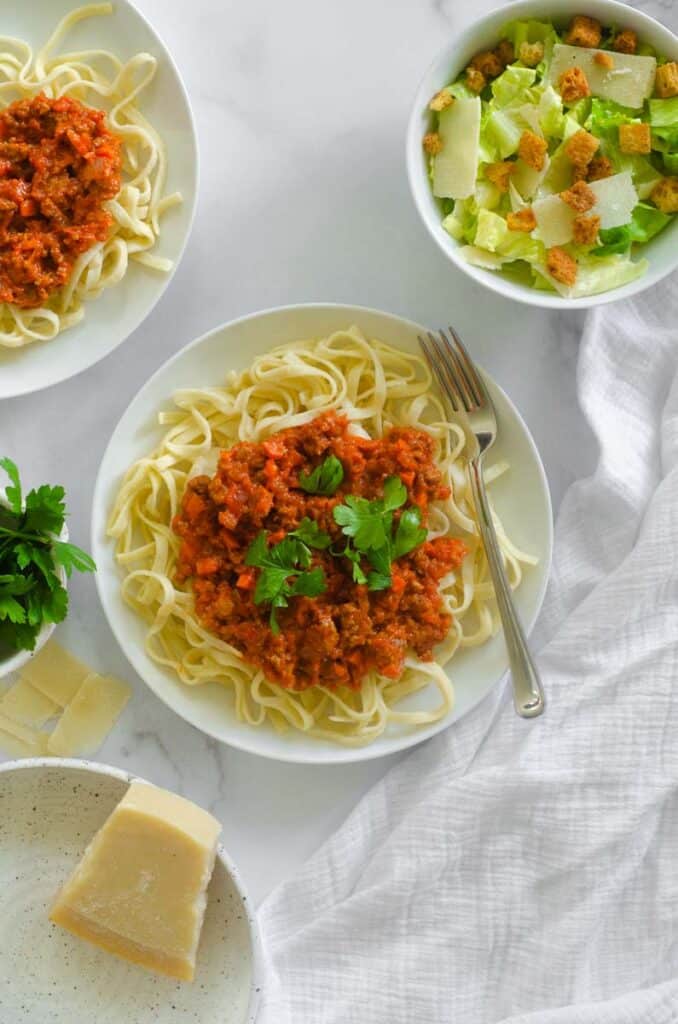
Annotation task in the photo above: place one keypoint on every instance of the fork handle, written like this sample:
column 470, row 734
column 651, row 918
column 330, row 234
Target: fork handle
column 528, row 695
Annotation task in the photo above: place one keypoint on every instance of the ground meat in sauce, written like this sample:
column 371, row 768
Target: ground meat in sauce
column 59, row 164
column 336, row 638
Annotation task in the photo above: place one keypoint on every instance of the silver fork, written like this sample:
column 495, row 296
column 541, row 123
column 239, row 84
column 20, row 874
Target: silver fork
column 465, row 390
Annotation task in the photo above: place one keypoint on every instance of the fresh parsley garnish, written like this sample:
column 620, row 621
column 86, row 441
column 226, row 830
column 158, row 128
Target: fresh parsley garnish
column 369, row 525
column 31, row 593
column 325, row 478
column 310, row 534
column 284, row 573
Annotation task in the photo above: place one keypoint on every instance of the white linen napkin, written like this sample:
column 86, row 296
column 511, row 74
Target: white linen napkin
column 527, row 872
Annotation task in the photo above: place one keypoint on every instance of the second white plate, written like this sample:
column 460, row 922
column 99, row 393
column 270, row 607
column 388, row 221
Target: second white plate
column 118, row 311
column 521, row 497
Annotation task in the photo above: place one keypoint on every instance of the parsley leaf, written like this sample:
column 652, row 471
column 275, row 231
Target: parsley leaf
column 370, row 525
column 369, row 522
column 410, row 533
column 45, row 510
column 354, row 556
column 13, row 493
column 71, row 557
column 325, row 478
column 31, row 557
column 310, row 533
column 289, row 559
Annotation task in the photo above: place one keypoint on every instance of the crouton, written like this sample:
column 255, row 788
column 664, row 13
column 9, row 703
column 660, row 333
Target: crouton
column 635, row 138
column 433, row 144
column 625, row 41
column 487, row 63
column 475, row 80
column 573, row 85
column 579, row 173
column 584, row 31
column 561, row 265
column 603, row 59
column 665, row 195
column 521, row 220
column 441, row 100
column 581, row 146
column 505, row 52
column 531, row 53
column 580, row 197
column 532, row 150
column 500, row 173
column 600, row 167
column 666, row 80
column 585, row 229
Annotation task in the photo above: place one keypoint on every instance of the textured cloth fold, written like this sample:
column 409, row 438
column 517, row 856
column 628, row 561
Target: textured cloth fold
column 512, row 872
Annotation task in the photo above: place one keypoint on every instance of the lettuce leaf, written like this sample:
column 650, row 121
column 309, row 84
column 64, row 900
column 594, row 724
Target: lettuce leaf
column 505, row 131
column 647, row 222
column 664, row 113
column 491, row 230
column 598, row 274
column 512, row 85
column 533, row 31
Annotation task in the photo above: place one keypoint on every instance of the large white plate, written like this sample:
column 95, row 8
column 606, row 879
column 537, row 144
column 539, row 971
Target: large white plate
column 49, row 811
column 118, row 311
column 522, row 499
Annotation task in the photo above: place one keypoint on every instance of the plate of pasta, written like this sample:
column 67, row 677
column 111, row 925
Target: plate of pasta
column 98, row 183
column 286, row 541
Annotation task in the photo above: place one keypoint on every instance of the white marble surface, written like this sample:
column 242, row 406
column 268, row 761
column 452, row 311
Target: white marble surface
column 301, row 109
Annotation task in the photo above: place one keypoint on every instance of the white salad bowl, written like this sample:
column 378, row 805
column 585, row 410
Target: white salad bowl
column 661, row 252
column 18, row 660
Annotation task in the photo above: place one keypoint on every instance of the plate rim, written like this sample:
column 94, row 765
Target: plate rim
column 60, row 378
column 340, row 755
column 111, row 771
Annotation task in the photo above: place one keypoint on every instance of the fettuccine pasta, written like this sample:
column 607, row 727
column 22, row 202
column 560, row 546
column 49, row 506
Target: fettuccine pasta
column 377, row 387
column 99, row 79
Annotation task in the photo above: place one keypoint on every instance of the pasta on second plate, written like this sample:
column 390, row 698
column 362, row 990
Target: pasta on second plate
column 100, row 81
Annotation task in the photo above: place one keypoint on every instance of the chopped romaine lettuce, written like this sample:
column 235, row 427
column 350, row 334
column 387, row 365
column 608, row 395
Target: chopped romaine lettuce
column 512, row 85
column 491, row 230
column 647, row 221
column 506, row 132
column 664, row 113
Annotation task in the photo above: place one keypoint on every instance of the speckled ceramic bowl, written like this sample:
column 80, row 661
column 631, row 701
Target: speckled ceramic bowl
column 49, row 811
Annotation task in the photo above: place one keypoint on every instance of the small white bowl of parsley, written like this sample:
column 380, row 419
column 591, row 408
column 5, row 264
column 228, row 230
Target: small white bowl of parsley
column 36, row 560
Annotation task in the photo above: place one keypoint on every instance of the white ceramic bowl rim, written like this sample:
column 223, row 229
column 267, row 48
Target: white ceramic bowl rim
column 447, row 65
column 240, row 740
column 93, row 767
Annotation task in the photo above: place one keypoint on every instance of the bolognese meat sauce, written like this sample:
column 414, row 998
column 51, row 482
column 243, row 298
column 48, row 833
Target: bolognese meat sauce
column 59, row 164
column 335, row 638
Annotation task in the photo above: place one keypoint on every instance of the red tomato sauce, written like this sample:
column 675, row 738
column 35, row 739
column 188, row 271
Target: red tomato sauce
column 335, row 638
column 59, row 163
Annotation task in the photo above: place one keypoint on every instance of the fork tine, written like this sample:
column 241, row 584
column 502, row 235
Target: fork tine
column 471, row 372
column 448, row 371
column 456, row 370
column 432, row 361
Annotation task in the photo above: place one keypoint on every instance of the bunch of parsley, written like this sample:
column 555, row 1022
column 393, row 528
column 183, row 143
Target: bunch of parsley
column 31, row 555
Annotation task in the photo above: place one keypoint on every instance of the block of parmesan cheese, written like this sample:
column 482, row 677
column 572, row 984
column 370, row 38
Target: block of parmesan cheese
column 140, row 890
